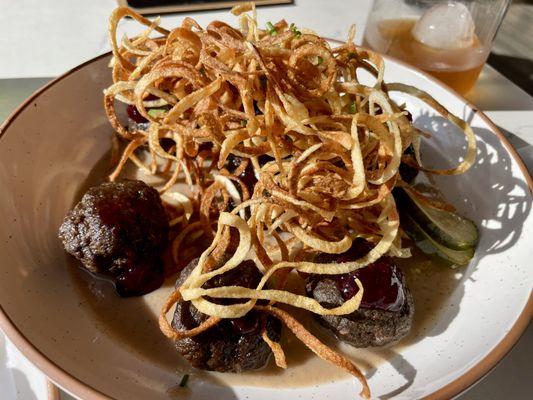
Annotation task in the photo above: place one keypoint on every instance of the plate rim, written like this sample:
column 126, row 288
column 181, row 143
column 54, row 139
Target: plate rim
column 84, row 390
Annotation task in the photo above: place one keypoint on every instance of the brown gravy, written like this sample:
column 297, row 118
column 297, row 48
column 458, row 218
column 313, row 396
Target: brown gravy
column 133, row 322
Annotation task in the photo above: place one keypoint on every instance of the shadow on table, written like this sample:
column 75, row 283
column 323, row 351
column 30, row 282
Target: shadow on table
column 517, row 69
column 22, row 389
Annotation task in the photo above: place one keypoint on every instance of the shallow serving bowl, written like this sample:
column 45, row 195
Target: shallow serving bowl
column 52, row 142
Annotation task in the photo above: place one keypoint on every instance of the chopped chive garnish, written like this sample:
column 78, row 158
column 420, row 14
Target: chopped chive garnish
column 319, row 60
column 184, row 380
column 202, row 71
column 244, row 122
column 351, row 55
column 295, row 30
column 271, row 29
column 352, row 107
column 154, row 112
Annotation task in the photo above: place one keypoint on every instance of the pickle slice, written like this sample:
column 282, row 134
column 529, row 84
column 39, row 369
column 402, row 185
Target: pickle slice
column 445, row 227
column 425, row 242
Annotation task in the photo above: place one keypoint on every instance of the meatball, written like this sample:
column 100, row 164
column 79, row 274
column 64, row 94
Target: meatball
column 233, row 345
column 119, row 230
column 386, row 312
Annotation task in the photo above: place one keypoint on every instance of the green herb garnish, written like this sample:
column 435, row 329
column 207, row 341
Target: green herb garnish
column 184, row 380
column 244, row 122
column 271, row 29
column 352, row 107
column 295, row 30
column 351, row 55
column 154, row 112
column 319, row 60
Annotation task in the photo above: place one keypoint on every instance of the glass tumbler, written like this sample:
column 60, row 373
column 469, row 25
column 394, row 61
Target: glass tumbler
column 451, row 40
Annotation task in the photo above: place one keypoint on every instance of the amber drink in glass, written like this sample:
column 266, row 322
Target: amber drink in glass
column 451, row 40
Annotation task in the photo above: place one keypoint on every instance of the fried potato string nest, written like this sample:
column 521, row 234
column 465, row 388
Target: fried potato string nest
column 325, row 150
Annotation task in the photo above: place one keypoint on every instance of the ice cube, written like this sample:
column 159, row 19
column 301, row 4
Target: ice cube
column 447, row 25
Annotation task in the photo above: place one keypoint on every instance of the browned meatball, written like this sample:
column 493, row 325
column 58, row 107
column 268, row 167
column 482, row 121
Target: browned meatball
column 233, row 345
column 386, row 312
column 119, row 230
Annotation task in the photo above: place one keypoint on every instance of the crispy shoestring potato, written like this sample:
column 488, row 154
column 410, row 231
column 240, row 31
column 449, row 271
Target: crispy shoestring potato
column 325, row 150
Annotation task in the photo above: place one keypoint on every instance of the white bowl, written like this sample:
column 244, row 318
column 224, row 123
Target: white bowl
column 53, row 140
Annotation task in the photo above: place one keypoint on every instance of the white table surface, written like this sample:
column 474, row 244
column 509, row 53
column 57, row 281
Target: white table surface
column 40, row 39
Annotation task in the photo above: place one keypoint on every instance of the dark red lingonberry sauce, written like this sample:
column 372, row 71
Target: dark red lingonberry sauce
column 246, row 325
column 139, row 280
column 382, row 280
column 135, row 115
column 207, row 146
column 247, row 176
column 233, row 162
